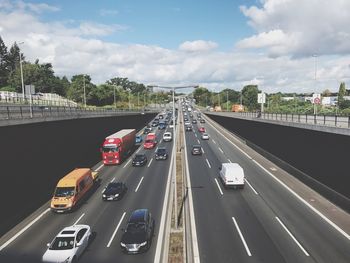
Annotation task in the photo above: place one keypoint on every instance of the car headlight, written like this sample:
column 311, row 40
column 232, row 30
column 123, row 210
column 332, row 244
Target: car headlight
column 105, row 157
column 103, row 195
column 122, row 244
column 69, row 205
column 116, row 195
column 143, row 244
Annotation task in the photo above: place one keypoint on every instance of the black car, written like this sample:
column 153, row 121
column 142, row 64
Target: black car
column 147, row 130
column 194, row 121
column 196, row 150
column 155, row 123
column 202, row 121
column 138, row 234
column 161, row 154
column 139, row 160
column 114, row 191
column 188, row 128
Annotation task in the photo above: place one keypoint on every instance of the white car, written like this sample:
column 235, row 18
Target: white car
column 68, row 245
column 187, row 123
column 205, row 136
column 167, row 137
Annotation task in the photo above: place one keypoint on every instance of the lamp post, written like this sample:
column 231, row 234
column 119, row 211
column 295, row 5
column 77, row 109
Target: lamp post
column 20, row 65
column 115, row 103
column 84, row 99
column 315, row 56
column 226, row 100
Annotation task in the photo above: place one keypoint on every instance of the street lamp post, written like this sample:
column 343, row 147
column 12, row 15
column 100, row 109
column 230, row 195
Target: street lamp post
column 315, row 56
column 115, row 104
column 226, row 100
column 84, row 99
column 21, row 68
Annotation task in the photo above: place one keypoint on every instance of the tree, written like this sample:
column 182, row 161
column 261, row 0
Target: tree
column 76, row 88
column 326, row 93
column 341, row 93
column 4, row 64
column 250, row 97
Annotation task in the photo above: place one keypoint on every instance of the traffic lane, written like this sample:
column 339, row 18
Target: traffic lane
column 27, row 249
column 146, row 197
column 317, row 237
column 233, row 205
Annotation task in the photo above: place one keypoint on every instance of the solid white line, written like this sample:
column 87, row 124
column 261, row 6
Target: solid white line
column 112, row 180
column 229, row 160
column 198, row 141
column 98, row 168
column 291, row 235
column 335, row 226
column 137, row 188
column 157, row 148
column 116, row 229
column 242, row 238
column 160, row 140
column 202, row 150
column 195, row 134
column 23, row 229
column 76, row 222
column 213, row 141
column 138, row 149
column 251, row 186
column 150, row 162
column 208, row 163
column 217, row 183
column 221, row 150
column 127, row 163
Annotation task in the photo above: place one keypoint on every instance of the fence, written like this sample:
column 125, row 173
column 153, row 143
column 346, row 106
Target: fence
column 36, row 100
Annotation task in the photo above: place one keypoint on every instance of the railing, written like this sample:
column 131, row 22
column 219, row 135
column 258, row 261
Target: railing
column 26, row 112
column 37, row 101
column 326, row 120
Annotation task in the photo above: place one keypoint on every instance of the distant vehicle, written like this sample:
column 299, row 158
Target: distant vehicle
column 147, row 130
column 161, row 126
column 114, row 191
column 237, row 108
column 201, row 129
column 189, row 109
column 187, row 123
column 155, row 123
column 160, row 116
column 68, row 245
column 71, row 189
column 217, row 108
column 139, row 160
column 171, row 125
column 138, row 139
column 232, row 175
column 138, row 234
column 202, row 121
column 167, row 137
column 196, row 150
column 188, row 128
column 150, row 141
column 161, row 154
column 205, row 136
column 116, row 147
column 185, row 119
column 194, row 121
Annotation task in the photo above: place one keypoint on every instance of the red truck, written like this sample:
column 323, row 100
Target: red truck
column 117, row 146
column 151, row 141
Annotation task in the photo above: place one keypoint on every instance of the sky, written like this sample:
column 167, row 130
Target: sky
column 285, row 46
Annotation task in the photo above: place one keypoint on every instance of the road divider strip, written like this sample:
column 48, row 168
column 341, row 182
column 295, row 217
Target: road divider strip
column 24, row 229
column 251, row 186
column 217, row 183
column 116, row 229
column 137, row 188
column 242, row 237
column 291, row 235
column 76, row 222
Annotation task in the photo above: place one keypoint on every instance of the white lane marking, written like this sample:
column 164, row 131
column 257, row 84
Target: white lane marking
column 198, row 141
column 150, row 162
column 76, row 222
column 138, row 149
column 98, row 168
column 291, row 235
column 242, row 238
column 112, row 180
column 160, row 140
column 157, row 148
column 195, row 134
column 213, row 141
column 208, row 163
column 202, row 150
column 334, row 225
column 221, row 150
column 229, row 160
column 127, row 163
column 217, row 183
column 23, row 229
column 116, row 229
column 137, row 188
column 251, row 187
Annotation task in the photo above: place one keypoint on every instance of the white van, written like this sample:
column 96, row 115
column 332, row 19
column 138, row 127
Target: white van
column 232, row 175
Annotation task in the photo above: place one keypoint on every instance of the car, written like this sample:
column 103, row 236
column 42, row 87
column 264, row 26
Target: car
column 161, row 154
column 202, row 121
column 205, row 136
column 201, row 129
column 188, row 128
column 147, row 130
column 167, row 137
column 196, row 150
column 232, row 175
column 155, row 123
column 68, row 245
column 185, row 119
column 161, row 126
column 194, row 121
column 114, row 191
column 171, row 125
column 139, row 160
column 137, row 236
column 138, row 139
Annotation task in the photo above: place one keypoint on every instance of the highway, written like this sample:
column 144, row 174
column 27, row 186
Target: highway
column 264, row 222
column 146, row 189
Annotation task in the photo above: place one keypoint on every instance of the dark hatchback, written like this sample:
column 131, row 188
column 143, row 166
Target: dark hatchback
column 161, row 154
column 139, row 160
column 138, row 234
column 147, row 130
column 114, row 191
column 196, row 150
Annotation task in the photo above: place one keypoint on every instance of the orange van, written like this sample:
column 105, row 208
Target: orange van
column 71, row 189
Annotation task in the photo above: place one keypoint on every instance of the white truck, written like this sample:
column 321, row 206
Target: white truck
column 232, row 175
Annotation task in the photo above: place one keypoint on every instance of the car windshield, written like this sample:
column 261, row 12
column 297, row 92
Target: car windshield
column 114, row 186
column 148, row 141
column 136, row 228
column 139, row 157
column 62, row 243
column 161, row 151
column 64, row 191
column 109, row 149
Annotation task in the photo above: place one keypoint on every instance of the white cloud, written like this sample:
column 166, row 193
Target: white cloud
column 108, row 12
column 197, row 46
column 96, row 29
column 299, row 28
column 26, row 6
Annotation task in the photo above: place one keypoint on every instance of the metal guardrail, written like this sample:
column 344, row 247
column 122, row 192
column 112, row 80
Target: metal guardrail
column 26, row 112
column 326, row 120
column 37, row 101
